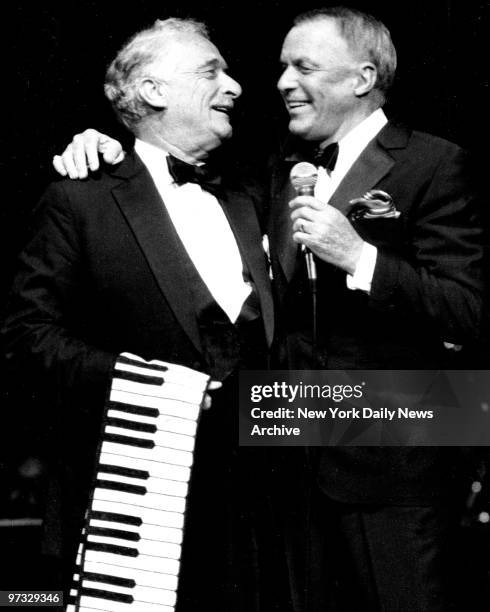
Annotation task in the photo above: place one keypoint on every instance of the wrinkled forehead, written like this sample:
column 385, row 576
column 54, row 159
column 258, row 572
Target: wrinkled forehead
column 186, row 53
column 319, row 40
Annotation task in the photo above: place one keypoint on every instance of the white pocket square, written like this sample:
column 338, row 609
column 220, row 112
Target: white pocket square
column 374, row 204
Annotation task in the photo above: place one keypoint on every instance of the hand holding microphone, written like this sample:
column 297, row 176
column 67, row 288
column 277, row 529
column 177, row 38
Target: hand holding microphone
column 303, row 178
column 320, row 228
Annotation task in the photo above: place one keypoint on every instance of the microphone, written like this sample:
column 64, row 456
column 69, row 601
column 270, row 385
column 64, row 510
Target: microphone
column 303, row 177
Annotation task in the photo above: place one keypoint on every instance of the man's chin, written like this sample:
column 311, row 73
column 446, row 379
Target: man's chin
column 225, row 133
column 298, row 128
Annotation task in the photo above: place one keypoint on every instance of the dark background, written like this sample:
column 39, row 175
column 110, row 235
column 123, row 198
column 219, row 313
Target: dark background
column 59, row 51
column 54, row 60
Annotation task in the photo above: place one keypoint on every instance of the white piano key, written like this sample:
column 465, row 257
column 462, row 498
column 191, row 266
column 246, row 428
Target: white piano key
column 176, row 374
column 155, row 468
column 160, row 438
column 158, row 497
column 162, row 422
column 158, row 363
column 148, row 532
column 91, row 603
column 168, row 390
column 175, row 407
column 165, row 550
column 149, row 516
column 141, row 577
column 150, row 500
column 158, row 453
column 141, row 594
column 152, row 485
column 176, row 425
column 142, row 562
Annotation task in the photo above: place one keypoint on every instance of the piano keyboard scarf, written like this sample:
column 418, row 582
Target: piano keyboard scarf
column 129, row 556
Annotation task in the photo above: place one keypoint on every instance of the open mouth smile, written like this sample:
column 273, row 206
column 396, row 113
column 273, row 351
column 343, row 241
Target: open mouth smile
column 296, row 104
column 222, row 108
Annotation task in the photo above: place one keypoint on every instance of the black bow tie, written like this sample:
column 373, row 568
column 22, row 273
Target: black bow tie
column 204, row 175
column 327, row 157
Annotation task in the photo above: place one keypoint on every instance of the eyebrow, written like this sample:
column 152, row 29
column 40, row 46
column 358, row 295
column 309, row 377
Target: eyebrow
column 213, row 63
column 300, row 60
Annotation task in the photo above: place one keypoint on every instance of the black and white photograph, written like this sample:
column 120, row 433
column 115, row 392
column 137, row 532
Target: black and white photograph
column 199, row 196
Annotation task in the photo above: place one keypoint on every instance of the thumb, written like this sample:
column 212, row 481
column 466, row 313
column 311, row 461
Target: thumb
column 111, row 150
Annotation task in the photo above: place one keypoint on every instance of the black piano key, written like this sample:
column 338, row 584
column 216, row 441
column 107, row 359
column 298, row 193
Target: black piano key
column 114, row 549
column 100, row 594
column 116, row 518
column 141, row 364
column 120, row 486
column 132, row 409
column 139, row 378
column 134, row 425
column 114, row 533
column 117, row 439
column 123, row 471
column 128, row 583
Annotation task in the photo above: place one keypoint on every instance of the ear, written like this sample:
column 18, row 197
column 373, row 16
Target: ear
column 365, row 78
column 153, row 93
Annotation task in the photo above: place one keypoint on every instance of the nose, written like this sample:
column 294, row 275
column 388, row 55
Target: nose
column 231, row 87
column 287, row 80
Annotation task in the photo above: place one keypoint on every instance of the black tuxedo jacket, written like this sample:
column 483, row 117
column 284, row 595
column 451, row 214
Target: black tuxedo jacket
column 101, row 276
column 426, row 290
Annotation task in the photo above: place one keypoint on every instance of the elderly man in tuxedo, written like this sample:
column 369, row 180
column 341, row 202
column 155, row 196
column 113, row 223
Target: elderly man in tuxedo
column 159, row 256
column 396, row 238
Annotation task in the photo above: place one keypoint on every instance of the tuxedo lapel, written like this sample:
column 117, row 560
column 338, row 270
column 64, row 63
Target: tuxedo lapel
column 372, row 165
column 241, row 214
column 154, row 231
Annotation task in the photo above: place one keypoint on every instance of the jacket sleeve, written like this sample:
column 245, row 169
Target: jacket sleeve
column 40, row 328
column 439, row 272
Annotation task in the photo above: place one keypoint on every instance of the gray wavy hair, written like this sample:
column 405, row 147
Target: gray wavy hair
column 365, row 35
column 130, row 64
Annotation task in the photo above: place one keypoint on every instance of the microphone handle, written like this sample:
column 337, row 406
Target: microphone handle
column 309, row 190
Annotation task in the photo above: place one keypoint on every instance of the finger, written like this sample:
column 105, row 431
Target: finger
column 213, row 385
column 207, row 402
column 69, row 162
column 91, row 139
column 303, row 238
column 111, row 150
column 58, row 165
column 302, row 226
column 79, row 155
column 119, row 158
column 308, row 201
column 304, row 212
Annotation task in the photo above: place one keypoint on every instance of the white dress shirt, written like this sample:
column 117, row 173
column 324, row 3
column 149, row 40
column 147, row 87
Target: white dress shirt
column 204, row 231
column 350, row 148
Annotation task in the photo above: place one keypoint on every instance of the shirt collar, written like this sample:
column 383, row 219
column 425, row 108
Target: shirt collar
column 154, row 158
column 354, row 142
column 364, row 132
column 350, row 147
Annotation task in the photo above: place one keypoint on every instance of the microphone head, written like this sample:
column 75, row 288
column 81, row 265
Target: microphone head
column 303, row 177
